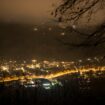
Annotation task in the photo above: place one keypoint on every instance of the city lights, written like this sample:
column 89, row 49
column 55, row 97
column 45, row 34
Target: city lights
column 63, row 33
column 47, row 69
column 35, row 29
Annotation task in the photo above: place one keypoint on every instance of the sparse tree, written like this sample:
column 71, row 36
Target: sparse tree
column 71, row 12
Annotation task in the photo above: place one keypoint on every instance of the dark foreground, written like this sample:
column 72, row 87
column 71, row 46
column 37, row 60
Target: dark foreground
column 76, row 90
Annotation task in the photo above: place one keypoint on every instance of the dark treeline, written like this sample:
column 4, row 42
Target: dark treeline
column 75, row 90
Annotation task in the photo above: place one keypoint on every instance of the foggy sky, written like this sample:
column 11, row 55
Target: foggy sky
column 38, row 11
column 26, row 10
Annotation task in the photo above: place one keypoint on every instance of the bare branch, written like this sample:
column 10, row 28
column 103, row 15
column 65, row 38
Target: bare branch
column 72, row 11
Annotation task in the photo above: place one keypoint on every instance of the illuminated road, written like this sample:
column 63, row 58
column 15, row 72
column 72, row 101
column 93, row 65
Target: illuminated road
column 55, row 75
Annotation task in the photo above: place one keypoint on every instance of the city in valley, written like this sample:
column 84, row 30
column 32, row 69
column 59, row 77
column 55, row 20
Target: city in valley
column 27, row 71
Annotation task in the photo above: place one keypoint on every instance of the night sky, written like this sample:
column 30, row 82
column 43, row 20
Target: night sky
column 28, row 30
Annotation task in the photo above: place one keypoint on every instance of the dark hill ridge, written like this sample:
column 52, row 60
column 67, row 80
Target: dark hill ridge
column 22, row 40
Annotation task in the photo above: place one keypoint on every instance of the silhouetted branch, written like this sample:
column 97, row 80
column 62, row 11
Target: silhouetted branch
column 72, row 11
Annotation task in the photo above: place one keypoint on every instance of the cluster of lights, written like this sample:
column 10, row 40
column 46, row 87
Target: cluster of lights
column 47, row 69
